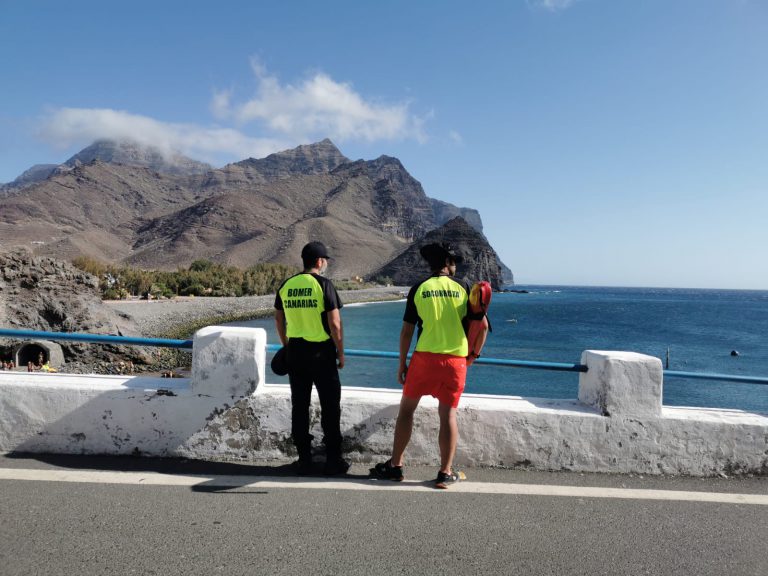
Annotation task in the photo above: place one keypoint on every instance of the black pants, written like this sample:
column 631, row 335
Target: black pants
column 314, row 362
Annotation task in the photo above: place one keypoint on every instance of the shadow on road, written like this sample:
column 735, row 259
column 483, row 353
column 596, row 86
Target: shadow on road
column 217, row 477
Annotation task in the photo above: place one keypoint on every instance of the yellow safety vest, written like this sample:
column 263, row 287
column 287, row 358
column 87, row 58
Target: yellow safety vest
column 442, row 304
column 304, row 304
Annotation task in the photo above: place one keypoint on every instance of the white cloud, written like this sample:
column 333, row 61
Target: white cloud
column 455, row 137
column 285, row 115
column 319, row 107
column 220, row 103
column 81, row 126
column 552, row 5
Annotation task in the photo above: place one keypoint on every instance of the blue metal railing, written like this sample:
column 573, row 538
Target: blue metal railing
column 99, row 338
column 168, row 343
column 560, row 366
column 721, row 377
column 187, row 344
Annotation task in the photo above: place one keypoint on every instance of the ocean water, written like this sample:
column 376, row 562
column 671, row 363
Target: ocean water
column 556, row 323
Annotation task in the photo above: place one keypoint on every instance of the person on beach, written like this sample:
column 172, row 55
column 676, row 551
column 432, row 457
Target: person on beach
column 308, row 321
column 438, row 306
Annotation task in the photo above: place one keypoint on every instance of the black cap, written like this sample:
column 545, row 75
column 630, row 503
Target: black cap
column 437, row 254
column 314, row 250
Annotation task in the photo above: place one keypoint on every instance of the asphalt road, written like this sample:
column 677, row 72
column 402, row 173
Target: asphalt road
column 88, row 516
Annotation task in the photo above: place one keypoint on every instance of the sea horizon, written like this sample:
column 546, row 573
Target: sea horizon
column 518, row 286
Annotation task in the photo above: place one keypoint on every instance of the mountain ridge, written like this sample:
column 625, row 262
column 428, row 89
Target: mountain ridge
column 118, row 207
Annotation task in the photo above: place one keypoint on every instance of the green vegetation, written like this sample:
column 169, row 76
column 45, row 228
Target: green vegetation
column 202, row 278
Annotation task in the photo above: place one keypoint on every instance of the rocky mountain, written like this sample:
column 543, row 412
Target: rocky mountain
column 90, row 210
column 37, row 173
column 113, row 202
column 53, row 296
column 480, row 261
column 317, row 158
column 445, row 212
column 111, row 152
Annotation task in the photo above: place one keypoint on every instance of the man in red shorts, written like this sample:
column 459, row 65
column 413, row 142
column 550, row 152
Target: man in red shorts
column 437, row 306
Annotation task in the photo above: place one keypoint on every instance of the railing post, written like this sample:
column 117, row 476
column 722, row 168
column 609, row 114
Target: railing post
column 228, row 360
column 621, row 383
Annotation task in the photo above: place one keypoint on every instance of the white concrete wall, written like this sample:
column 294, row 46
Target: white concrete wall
column 89, row 414
column 540, row 434
column 227, row 411
column 57, row 413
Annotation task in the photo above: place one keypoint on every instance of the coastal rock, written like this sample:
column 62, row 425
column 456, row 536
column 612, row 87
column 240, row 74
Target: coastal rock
column 444, row 212
column 39, row 293
column 480, row 261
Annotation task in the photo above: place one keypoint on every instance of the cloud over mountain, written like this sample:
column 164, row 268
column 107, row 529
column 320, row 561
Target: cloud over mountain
column 67, row 126
column 281, row 115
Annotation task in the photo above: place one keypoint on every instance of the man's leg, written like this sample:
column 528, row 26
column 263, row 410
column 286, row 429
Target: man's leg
column 403, row 428
column 449, row 436
column 329, row 392
column 301, row 395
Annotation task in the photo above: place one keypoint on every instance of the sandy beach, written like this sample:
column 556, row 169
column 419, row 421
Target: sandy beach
column 157, row 317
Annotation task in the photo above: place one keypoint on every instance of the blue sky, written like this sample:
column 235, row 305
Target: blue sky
column 605, row 142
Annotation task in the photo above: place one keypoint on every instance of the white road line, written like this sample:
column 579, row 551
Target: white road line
column 263, row 482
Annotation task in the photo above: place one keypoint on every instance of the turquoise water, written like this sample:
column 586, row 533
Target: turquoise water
column 556, row 323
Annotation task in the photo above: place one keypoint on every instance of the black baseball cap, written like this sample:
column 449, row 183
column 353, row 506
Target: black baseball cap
column 314, row 250
column 436, row 254
column 279, row 362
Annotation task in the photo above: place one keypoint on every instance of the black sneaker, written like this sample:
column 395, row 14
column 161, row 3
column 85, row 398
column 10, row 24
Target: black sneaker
column 444, row 480
column 336, row 467
column 303, row 466
column 385, row 471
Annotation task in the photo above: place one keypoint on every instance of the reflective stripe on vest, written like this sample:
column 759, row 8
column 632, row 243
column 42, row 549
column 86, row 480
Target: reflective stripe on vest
column 303, row 304
column 442, row 304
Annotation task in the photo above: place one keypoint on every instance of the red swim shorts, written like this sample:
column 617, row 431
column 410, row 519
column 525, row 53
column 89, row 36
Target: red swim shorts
column 438, row 375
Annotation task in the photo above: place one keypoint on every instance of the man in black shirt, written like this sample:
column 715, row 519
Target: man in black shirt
column 308, row 321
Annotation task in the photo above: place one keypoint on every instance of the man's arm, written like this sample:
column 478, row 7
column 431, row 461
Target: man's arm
column 406, row 335
column 280, row 326
column 476, row 340
column 337, row 334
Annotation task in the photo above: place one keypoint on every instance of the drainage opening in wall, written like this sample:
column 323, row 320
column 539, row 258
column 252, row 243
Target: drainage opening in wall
column 38, row 353
column 32, row 353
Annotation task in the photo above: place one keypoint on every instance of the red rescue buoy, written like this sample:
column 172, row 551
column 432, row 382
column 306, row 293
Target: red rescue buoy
column 478, row 325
